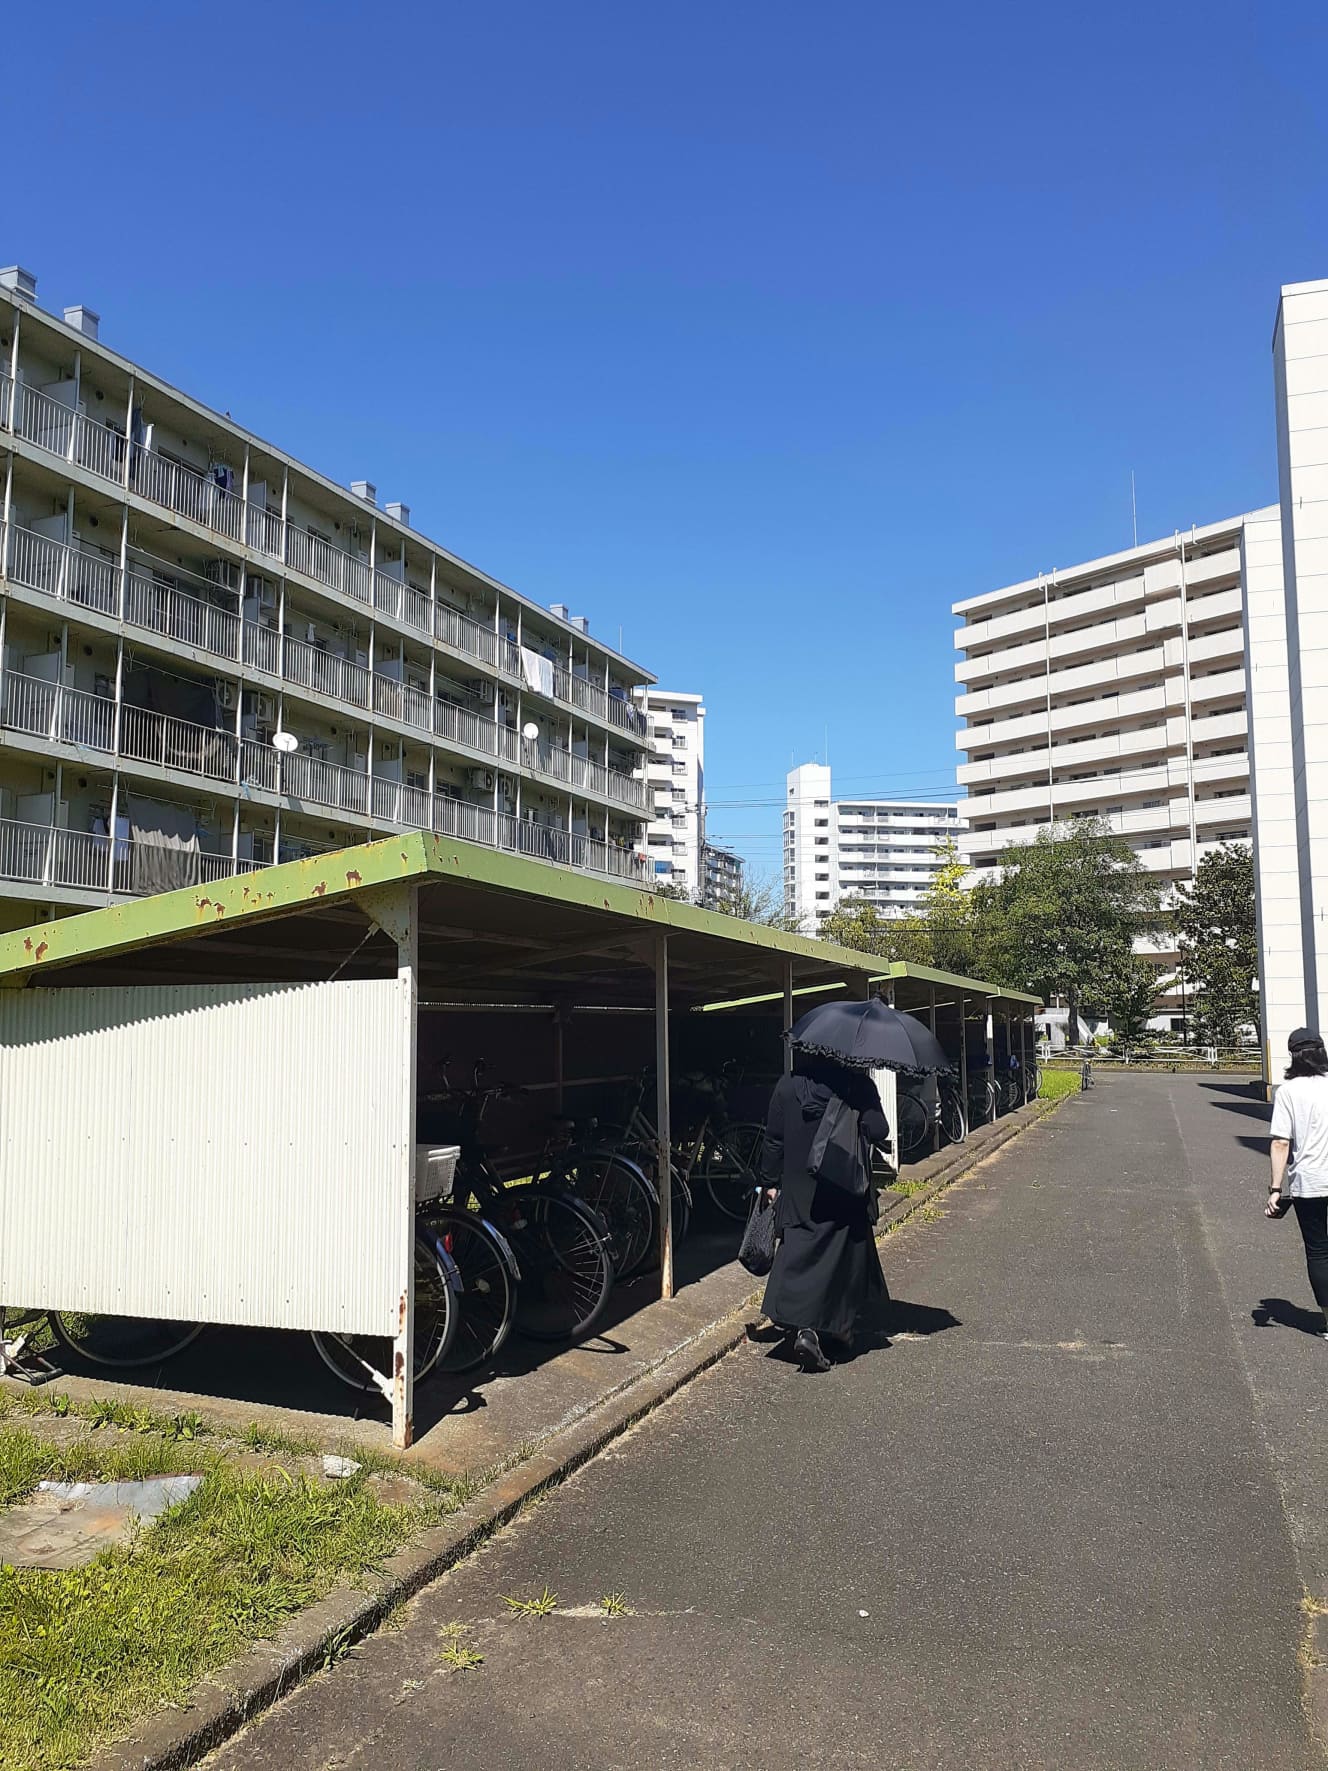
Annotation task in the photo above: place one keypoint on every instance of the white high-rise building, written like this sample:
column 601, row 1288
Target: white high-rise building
column 1116, row 689
column 882, row 852
column 176, row 594
column 675, row 788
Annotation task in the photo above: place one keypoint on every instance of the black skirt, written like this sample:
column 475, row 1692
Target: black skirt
column 827, row 1274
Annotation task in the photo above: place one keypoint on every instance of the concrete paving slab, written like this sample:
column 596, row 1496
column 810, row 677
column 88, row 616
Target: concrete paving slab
column 66, row 1524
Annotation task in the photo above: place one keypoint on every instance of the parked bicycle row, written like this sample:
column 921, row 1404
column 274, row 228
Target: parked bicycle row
column 510, row 1244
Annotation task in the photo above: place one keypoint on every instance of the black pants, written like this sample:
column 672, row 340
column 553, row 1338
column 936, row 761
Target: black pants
column 1312, row 1216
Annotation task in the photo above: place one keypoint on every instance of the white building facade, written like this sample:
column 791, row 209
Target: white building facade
column 1288, row 662
column 674, row 774
column 882, row 852
column 721, row 878
column 1114, row 689
column 175, row 593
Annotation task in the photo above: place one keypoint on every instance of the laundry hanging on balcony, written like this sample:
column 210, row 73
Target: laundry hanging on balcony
column 166, row 850
column 537, row 671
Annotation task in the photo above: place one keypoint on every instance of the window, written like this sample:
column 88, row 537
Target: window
column 822, row 823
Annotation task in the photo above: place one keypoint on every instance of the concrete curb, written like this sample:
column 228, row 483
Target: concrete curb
column 221, row 1704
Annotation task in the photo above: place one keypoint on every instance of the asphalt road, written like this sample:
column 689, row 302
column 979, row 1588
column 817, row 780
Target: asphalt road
column 1065, row 1522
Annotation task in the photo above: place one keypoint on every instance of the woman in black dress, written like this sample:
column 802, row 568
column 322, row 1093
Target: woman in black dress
column 827, row 1280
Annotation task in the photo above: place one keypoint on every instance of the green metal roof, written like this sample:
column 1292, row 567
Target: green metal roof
column 486, row 916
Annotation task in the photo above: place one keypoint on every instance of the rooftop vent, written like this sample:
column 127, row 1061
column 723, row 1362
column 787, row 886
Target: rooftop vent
column 558, row 609
column 83, row 320
column 400, row 511
column 19, row 282
column 365, row 489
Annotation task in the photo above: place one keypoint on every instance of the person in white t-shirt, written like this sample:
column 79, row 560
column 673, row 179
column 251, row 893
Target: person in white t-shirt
column 1300, row 1149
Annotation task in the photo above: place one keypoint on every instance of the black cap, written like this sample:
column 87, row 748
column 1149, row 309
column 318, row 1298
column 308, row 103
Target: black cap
column 1302, row 1036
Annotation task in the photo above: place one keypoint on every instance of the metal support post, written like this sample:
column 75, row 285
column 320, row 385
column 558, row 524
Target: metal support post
column 663, row 1129
column 989, row 1038
column 788, row 1012
column 931, row 1022
column 963, row 1056
column 396, row 911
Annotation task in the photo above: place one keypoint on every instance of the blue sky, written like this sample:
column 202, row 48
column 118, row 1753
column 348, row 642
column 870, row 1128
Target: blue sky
column 762, row 332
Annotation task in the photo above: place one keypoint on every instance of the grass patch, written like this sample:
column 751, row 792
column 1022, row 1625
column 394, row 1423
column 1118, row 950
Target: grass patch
column 907, row 1188
column 614, row 1605
column 1056, row 1084
column 84, row 1654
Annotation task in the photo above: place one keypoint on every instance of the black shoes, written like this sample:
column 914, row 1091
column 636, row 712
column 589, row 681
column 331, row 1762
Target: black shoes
column 807, row 1350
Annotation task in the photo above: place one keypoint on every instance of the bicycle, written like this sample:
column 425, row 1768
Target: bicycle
column 560, row 1244
column 981, row 1096
column 128, row 1343
column 638, row 1140
column 614, row 1185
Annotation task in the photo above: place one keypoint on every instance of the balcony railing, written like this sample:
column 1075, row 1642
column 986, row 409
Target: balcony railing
column 163, row 608
column 34, row 854
column 59, row 715
column 101, row 449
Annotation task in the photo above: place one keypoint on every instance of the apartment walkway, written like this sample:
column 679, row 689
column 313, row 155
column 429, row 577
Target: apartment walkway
column 1065, row 1523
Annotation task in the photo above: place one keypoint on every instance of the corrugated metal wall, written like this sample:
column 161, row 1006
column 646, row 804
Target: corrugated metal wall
column 212, row 1153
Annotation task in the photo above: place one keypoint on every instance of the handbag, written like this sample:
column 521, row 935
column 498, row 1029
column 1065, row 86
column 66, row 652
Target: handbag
column 836, row 1152
column 757, row 1250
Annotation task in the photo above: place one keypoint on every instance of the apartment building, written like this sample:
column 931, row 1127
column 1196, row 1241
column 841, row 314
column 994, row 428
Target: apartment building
column 674, row 775
column 214, row 657
column 1114, row 689
column 721, row 878
column 882, row 852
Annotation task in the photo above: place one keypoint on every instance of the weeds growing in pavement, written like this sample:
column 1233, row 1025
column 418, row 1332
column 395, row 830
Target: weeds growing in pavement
column 540, row 1607
column 614, row 1605
column 454, row 1653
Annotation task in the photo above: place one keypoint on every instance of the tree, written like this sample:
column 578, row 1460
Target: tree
column 859, row 925
column 1219, row 945
column 1061, row 916
column 760, row 900
column 1127, row 993
column 940, row 934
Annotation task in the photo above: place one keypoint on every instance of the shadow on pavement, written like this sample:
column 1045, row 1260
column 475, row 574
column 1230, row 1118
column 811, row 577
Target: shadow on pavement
column 1233, row 1088
column 1281, row 1313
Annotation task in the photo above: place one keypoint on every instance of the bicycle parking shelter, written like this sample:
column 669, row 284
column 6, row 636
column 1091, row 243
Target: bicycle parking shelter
column 210, row 1095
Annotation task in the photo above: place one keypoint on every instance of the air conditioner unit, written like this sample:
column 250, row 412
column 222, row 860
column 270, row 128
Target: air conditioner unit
column 228, row 694
column 265, row 707
column 360, row 762
column 483, row 690
column 225, row 573
column 482, row 780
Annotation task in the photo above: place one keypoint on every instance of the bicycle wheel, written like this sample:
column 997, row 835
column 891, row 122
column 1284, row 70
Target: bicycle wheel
column 562, row 1249
column 489, row 1281
column 954, row 1122
column 1035, row 1082
column 731, row 1166
column 981, row 1101
column 912, row 1132
column 363, row 1361
column 617, row 1188
column 121, row 1342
